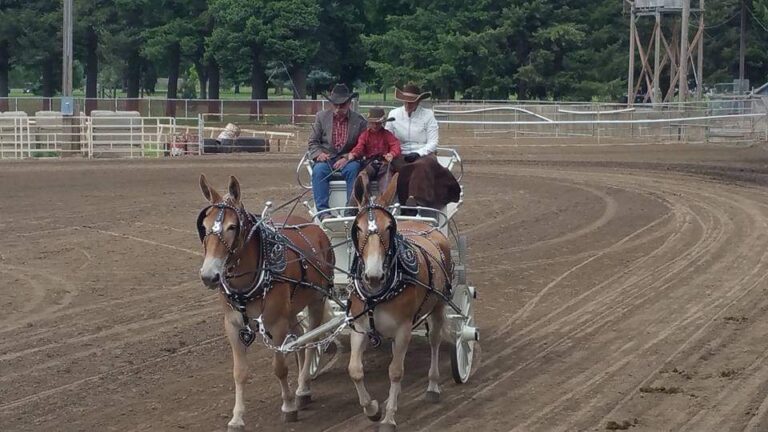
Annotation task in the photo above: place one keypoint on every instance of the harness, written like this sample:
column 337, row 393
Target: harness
column 401, row 265
column 271, row 266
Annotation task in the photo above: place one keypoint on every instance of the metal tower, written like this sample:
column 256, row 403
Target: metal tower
column 671, row 55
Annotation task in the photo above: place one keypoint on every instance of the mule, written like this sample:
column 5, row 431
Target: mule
column 401, row 276
column 266, row 271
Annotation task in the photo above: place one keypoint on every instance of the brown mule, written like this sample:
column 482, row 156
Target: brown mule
column 267, row 272
column 401, row 275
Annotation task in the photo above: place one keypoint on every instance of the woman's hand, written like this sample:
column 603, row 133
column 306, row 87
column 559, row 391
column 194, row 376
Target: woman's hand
column 388, row 157
column 340, row 163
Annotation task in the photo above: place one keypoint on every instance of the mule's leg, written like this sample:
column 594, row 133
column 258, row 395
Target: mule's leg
column 357, row 343
column 436, row 322
column 303, row 392
column 289, row 409
column 396, row 368
column 239, row 372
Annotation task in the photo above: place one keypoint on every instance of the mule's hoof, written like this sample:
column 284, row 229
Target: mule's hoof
column 303, row 401
column 387, row 427
column 433, row 397
column 290, row 417
column 235, row 425
column 376, row 417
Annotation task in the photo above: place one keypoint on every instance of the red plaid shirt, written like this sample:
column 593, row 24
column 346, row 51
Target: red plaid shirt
column 340, row 130
column 378, row 143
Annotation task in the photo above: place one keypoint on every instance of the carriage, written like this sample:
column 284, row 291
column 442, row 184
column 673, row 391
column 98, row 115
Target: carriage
column 460, row 314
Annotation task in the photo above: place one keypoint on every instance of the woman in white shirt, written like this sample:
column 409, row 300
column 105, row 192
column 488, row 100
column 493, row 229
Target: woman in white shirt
column 414, row 126
column 422, row 180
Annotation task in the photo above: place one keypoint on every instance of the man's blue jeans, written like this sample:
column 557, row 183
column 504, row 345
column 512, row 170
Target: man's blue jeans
column 321, row 181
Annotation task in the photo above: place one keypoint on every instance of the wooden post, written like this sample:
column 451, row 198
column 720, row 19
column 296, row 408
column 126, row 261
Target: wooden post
column 742, row 41
column 656, row 95
column 700, row 56
column 683, row 86
column 631, row 72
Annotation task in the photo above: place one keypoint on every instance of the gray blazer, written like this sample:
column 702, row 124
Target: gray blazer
column 321, row 136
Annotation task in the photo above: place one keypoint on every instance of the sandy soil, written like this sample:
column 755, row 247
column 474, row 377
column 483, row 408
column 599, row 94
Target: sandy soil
column 620, row 287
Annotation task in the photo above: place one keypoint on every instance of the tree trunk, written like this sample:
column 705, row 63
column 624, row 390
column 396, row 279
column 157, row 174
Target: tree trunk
column 521, row 51
column 174, row 63
column 91, row 70
column 300, row 82
column 202, row 78
column 49, row 87
column 237, row 88
column 214, row 80
column 133, row 77
column 258, row 81
column 258, row 76
column 4, row 68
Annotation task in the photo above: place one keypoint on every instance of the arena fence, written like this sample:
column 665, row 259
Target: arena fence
column 132, row 134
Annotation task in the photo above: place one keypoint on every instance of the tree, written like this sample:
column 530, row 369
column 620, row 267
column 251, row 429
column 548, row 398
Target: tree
column 239, row 38
column 123, row 39
column 41, row 20
column 342, row 52
column 9, row 32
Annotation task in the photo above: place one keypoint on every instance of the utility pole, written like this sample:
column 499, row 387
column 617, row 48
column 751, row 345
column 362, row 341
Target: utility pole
column 67, row 103
column 66, row 79
column 683, row 85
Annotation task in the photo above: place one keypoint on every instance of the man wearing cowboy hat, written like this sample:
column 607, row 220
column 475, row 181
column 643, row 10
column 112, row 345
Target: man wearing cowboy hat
column 333, row 135
column 413, row 125
column 375, row 144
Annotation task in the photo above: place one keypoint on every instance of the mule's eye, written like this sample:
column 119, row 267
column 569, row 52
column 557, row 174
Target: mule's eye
column 231, row 228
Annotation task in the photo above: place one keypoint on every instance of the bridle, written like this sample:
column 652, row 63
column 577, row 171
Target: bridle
column 242, row 226
column 372, row 229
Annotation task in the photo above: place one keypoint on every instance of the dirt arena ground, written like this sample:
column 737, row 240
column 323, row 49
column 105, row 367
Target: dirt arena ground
column 620, row 287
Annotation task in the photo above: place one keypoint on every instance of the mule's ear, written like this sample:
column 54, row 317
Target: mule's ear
column 360, row 190
column 388, row 197
column 234, row 189
column 209, row 193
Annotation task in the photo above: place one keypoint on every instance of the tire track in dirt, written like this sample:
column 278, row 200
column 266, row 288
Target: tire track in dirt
column 410, row 393
column 699, row 248
column 550, row 411
column 42, row 394
column 485, row 362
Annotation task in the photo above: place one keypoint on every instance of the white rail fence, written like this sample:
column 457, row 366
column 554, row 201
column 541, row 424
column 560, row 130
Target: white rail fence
column 52, row 135
column 128, row 135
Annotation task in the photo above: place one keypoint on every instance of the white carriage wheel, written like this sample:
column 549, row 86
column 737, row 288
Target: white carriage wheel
column 463, row 349
column 314, row 364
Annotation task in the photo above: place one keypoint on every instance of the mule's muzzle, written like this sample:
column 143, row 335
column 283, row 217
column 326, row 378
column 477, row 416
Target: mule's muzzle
column 374, row 282
column 210, row 279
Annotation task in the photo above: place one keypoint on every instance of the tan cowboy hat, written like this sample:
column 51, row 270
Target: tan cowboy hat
column 377, row 115
column 411, row 93
column 340, row 94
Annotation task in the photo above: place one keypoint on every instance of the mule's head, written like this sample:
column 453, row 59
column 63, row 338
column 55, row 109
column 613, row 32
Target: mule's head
column 221, row 230
column 373, row 231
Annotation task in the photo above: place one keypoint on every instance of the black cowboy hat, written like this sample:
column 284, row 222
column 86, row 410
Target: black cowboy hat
column 340, row 94
column 377, row 115
column 411, row 93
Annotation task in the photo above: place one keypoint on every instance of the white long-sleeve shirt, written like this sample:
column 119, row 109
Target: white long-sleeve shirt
column 417, row 132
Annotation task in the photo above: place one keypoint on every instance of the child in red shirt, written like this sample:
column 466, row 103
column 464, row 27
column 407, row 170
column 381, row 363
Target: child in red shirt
column 374, row 144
